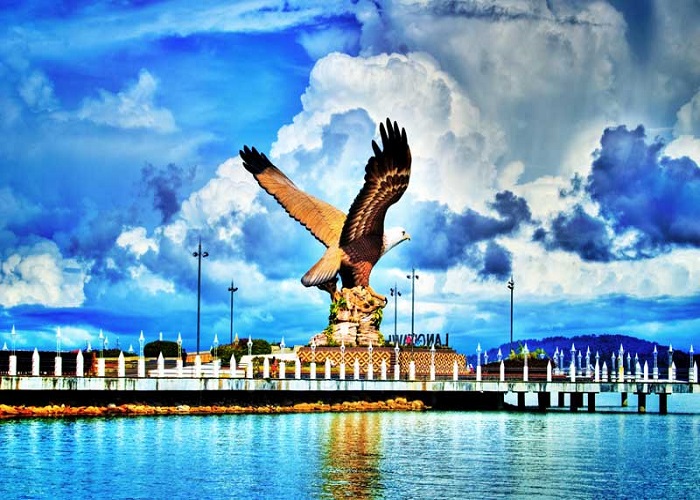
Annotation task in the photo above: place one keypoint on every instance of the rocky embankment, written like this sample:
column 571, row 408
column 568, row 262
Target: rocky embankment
column 131, row 410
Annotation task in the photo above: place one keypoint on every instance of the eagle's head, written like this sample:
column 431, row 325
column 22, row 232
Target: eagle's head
column 392, row 237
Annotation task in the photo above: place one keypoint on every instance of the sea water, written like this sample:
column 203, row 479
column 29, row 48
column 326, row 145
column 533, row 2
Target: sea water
column 558, row 454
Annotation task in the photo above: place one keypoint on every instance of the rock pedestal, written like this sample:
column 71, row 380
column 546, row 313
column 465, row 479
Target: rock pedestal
column 354, row 320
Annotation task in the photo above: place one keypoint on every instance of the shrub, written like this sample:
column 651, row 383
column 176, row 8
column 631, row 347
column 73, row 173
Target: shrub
column 167, row 347
column 224, row 352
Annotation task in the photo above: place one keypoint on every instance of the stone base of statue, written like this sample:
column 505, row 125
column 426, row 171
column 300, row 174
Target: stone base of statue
column 354, row 320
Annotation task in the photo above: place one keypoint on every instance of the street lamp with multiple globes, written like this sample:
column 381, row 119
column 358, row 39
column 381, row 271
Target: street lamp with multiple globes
column 395, row 293
column 413, row 277
column 233, row 290
column 200, row 255
column 511, row 287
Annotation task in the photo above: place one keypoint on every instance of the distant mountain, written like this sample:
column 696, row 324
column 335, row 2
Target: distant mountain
column 603, row 344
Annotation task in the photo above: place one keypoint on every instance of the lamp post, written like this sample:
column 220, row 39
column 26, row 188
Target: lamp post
column 13, row 358
column 511, row 287
column 413, row 277
column 216, row 346
column 396, row 294
column 142, row 360
column 233, row 290
column 690, row 352
column 200, row 255
column 250, row 346
column 588, row 361
column 691, row 371
column 58, row 370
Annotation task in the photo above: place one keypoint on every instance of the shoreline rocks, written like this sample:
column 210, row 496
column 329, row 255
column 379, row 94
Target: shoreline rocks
column 132, row 410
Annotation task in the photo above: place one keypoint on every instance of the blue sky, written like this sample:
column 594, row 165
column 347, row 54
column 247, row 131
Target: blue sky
column 556, row 141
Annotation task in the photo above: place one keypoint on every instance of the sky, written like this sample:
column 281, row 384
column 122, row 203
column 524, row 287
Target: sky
column 557, row 142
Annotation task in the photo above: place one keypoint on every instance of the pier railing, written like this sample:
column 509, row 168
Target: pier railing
column 73, row 364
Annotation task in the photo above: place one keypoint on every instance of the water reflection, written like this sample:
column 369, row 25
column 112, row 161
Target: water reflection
column 352, row 456
column 362, row 455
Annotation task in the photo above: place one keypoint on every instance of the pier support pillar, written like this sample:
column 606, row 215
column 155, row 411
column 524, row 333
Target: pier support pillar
column 641, row 402
column 500, row 400
column 560, row 398
column 521, row 401
column 544, row 401
column 591, row 402
column 663, row 403
column 624, row 399
column 576, row 400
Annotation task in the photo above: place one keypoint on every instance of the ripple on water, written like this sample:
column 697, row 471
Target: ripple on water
column 354, row 455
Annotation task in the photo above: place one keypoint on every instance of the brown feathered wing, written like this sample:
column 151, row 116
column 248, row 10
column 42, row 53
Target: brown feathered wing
column 322, row 219
column 354, row 242
column 386, row 179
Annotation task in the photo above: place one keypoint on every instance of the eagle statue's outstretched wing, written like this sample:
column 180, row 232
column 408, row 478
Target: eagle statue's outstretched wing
column 386, row 179
column 322, row 219
column 356, row 242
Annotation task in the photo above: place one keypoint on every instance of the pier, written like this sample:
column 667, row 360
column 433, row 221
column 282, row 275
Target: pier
column 212, row 385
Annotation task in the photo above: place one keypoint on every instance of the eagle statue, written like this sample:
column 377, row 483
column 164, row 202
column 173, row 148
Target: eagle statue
column 356, row 241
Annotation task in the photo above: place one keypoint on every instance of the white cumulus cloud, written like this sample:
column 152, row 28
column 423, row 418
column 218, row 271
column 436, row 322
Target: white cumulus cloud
column 41, row 275
column 133, row 107
column 136, row 241
column 453, row 149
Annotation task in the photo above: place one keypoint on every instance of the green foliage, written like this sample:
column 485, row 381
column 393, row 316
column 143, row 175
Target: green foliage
column 377, row 317
column 336, row 307
column 224, row 352
column 538, row 353
column 167, row 347
column 328, row 332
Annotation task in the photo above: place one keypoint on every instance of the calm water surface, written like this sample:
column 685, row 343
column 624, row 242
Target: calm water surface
column 355, row 455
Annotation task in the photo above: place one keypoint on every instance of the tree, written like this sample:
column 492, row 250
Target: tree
column 167, row 347
column 260, row 346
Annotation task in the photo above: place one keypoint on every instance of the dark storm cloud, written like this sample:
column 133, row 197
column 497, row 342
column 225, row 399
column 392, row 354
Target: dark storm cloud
column 497, row 261
column 165, row 185
column 447, row 238
column 512, row 209
column 507, row 13
column 636, row 189
column 580, row 233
